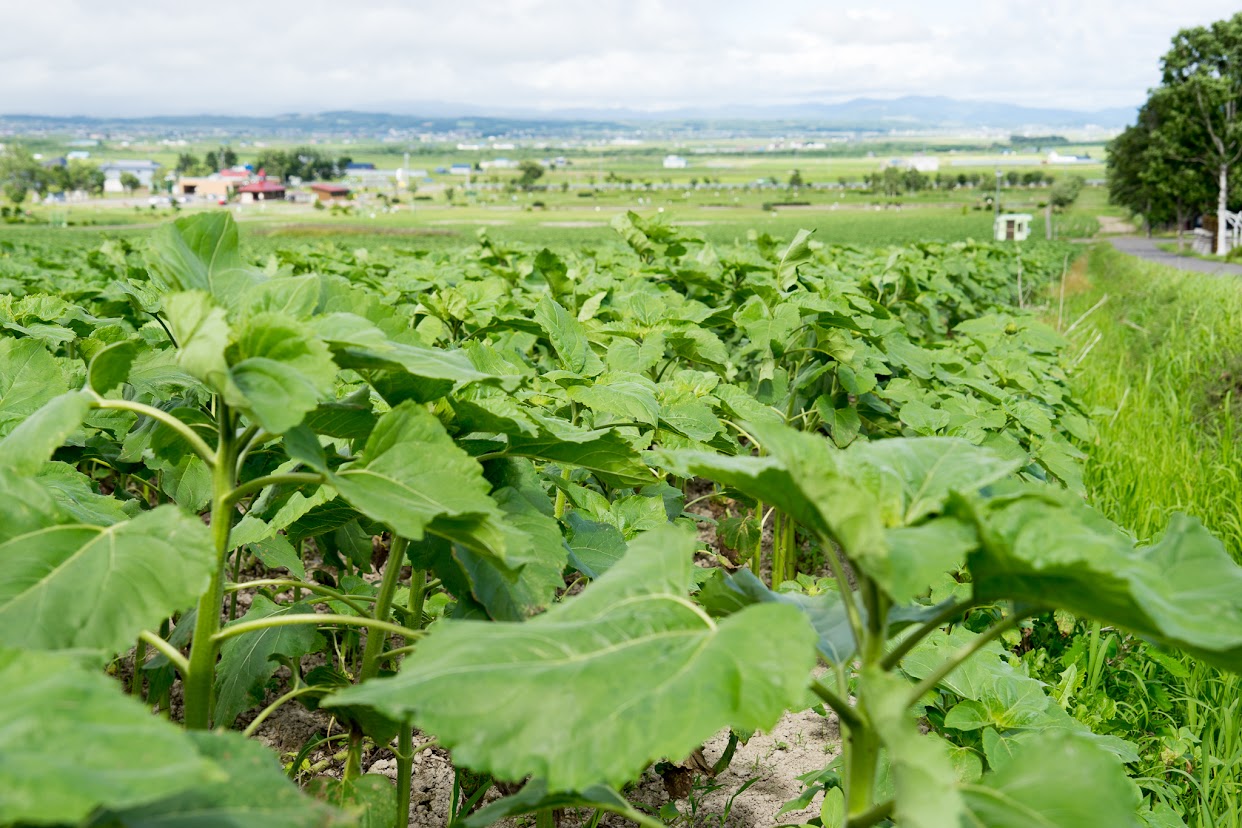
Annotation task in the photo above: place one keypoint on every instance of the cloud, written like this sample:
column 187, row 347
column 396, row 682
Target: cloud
column 313, row 55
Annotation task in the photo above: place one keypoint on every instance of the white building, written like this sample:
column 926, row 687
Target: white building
column 922, row 163
column 1012, row 227
column 675, row 162
column 113, row 170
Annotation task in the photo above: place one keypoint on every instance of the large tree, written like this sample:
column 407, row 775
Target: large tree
column 1148, row 170
column 20, row 174
column 1202, row 86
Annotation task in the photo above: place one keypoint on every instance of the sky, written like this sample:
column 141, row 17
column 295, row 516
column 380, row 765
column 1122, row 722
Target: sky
column 154, row 57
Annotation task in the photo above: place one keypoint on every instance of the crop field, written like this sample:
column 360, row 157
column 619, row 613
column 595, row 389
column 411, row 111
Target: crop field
column 294, row 510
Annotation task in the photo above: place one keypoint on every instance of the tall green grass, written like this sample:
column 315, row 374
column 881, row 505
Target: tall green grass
column 1159, row 356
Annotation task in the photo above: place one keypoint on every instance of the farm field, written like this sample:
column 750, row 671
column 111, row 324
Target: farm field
column 548, row 509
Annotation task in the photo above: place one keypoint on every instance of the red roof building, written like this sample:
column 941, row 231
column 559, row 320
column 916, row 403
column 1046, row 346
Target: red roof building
column 263, row 191
column 330, row 192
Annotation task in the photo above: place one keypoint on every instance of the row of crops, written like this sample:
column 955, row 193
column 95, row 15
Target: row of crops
column 450, row 493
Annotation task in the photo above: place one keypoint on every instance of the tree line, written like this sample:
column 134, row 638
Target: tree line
column 1176, row 162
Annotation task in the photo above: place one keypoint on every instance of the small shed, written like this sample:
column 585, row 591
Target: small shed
column 1012, row 227
column 262, row 191
column 330, row 192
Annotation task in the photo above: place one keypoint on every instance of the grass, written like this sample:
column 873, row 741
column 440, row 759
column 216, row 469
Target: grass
column 1161, row 362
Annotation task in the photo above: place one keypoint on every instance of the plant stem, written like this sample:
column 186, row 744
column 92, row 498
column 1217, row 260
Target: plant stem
column 903, row 648
column 198, row 444
column 383, row 604
column 863, row 756
column 954, row 661
column 405, row 773
column 351, row 601
column 545, row 818
column 418, row 596
column 167, row 650
column 846, row 713
column 200, row 682
column 877, row 814
column 273, row 707
column 140, row 658
column 311, row 618
column 260, row 483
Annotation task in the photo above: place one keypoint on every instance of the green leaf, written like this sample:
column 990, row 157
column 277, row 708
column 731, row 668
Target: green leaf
column 535, row 558
column 75, row 493
column 920, row 554
column 121, row 754
column 832, row 809
column 253, row 792
column 603, row 452
column 26, row 448
column 1046, row 547
column 281, row 369
column 629, row 656
column 370, row 798
column 412, row 474
column 568, row 338
column 246, row 660
column 276, row 551
column 593, row 547
column 110, row 366
column 724, row 594
column 135, row 573
column 199, row 252
column 534, row 797
column 29, row 378
column 1055, row 779
column 202, row 334
column 627, row 396
column 798, row 253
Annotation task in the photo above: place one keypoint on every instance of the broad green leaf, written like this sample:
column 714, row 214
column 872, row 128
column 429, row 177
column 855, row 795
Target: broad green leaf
column 135, row 573
column 921, row 554
column 412, row 474
column 603, row 452
column 26, row 507
column 1045, row 547
column 295, row 296
column 29, row 378
column 604, row 678
column 200, row 252
column 535, row 558
column 253, row 792
column 120, row 754
column 625, row 396
column 110, row 366
column 246, row 660
column 281, row 369
column 1056, row 779
column 568, row 338
column 798, row 253
column 276, row 551
column 594, row 547
column 26, row 448
column 371, row 799
column 202, row 334
column 724, row 594
column 832, row 809
column 553, row 270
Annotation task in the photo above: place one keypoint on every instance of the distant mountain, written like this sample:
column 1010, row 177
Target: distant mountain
column 910, row 112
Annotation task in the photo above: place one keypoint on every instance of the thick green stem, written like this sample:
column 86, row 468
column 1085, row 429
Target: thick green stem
column 234, row 630
column 877, row 814
column 845, row 712
column 418, row 597
column 903, row 648
column 383, row 605
column 405, row 773
column 260, row 483
column 863, row 749
column 198, row 444
column 199, row 684
column 355, row 602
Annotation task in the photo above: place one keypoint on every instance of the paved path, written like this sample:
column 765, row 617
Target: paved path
column 1145, row 248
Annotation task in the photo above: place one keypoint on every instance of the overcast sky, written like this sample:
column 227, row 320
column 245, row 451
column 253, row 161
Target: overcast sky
column 149, row 57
